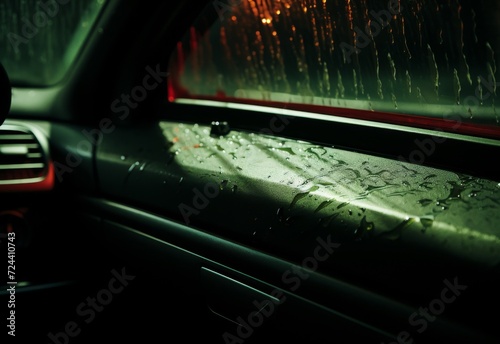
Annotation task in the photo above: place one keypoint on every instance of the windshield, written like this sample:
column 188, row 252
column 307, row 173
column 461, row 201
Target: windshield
column 41, row 39
column 423, row 58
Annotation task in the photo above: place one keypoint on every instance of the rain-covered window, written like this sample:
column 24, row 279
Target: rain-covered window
column 416, row 57
column 39, row 40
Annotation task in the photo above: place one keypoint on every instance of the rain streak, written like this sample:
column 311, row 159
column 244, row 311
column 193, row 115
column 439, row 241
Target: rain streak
column 424, row 57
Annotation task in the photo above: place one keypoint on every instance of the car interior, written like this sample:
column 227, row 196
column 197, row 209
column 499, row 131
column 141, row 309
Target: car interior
column 248, row 171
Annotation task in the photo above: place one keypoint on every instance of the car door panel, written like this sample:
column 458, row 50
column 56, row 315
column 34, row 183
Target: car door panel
column 169, row 163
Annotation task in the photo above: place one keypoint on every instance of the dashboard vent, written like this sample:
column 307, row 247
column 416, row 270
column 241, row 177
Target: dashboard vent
column 22, row 157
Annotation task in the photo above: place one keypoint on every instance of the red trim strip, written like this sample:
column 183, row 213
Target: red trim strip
column 383, row 117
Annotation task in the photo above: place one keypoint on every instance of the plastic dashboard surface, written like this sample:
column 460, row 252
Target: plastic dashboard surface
column 399, row 230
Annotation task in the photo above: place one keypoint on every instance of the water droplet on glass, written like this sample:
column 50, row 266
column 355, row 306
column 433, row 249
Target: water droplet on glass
column 123, row 158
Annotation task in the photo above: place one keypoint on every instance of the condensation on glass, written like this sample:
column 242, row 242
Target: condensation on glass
column 421, row 57
column 39, row 40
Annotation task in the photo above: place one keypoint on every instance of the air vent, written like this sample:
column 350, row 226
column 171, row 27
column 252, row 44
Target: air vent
column 23, row 159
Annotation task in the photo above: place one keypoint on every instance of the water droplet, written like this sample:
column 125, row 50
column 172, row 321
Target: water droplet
column 142, row 167
column 133, row 166
column 301, row 195
column 342, row 205
column 427, row 222
column 289, row 220
column 123, row 158
column 223, row 184
column 286, row 149
column 234, row 188
column 323, row 205
column 364, row 227
column 181, row 180
column 350, row 212
column 396, row 232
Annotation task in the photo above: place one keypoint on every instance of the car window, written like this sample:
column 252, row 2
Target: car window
column 384, row 59
column 41, row 39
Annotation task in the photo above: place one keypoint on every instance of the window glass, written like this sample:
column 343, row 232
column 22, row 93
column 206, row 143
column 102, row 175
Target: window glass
column 41, row 39
column 417, row 57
